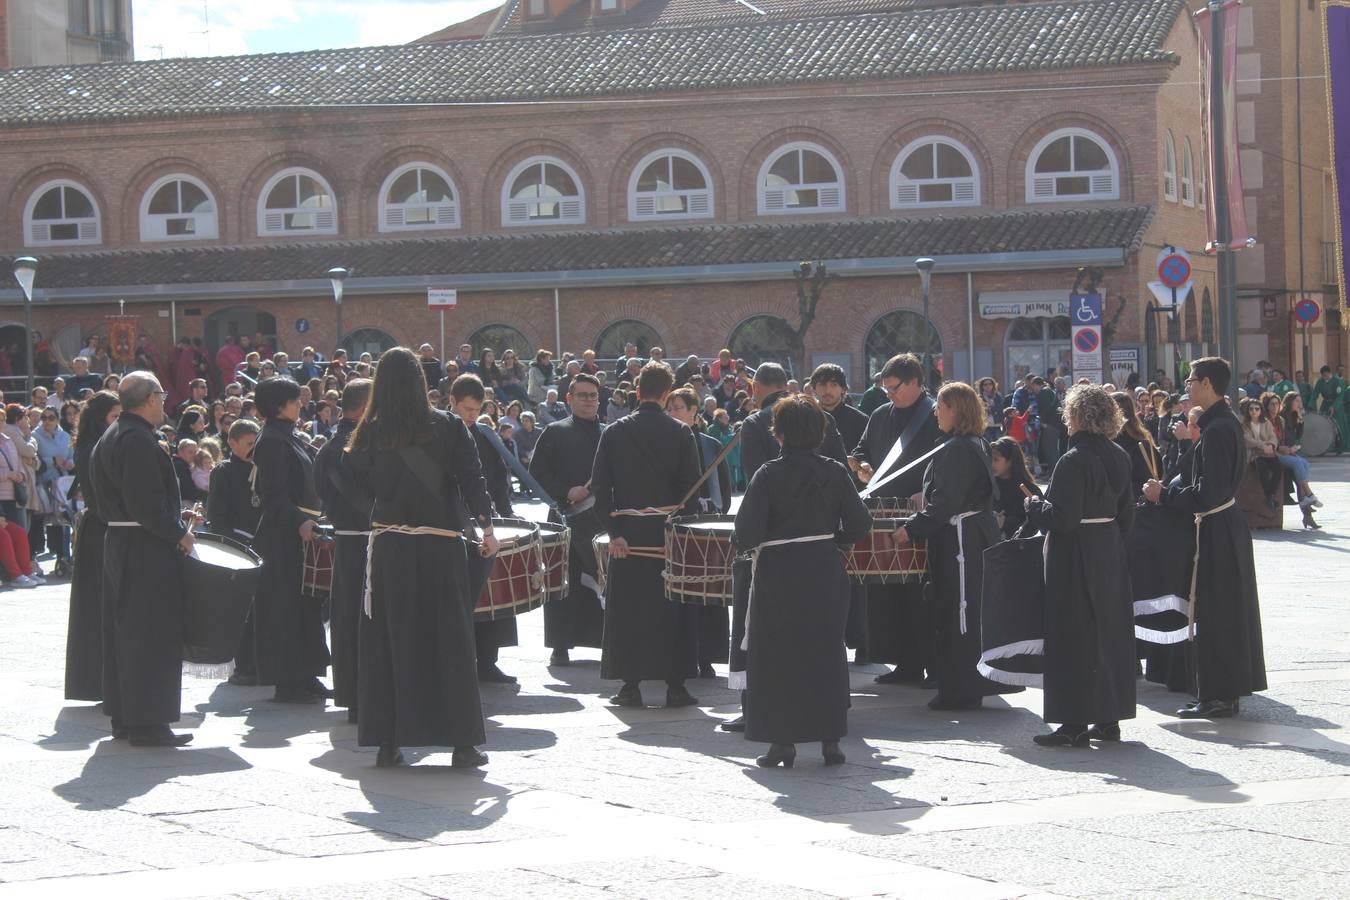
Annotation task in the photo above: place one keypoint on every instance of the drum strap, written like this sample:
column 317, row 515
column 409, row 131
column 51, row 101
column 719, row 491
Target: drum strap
column 377, row 529
column 1195, row 565
column 754, row 566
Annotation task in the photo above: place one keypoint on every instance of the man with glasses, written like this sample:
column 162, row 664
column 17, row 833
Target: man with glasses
column 898, row 630
column 562, row 463
column 1226, row 659
column 137, row 493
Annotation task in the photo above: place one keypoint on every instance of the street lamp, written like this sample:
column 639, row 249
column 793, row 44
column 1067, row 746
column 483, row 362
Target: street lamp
column 337, row 276
column 25, row 270
column 925, row 266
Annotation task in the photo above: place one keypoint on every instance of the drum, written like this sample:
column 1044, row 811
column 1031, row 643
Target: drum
column 1012, row 613
column 555, row 541
column 317, row 580
column 1160, row 549
column 600, row 546
column 219, row 579
column 516, row 583
column 1319, row 434
column 698, row 560
column 877, row 558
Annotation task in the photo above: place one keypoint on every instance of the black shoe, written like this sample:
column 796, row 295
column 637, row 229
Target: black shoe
column 705, row 670
column 119, row 731
column 778, row 753
column 559, row 658
column 1108, row 731
column 929, row 683
column 679, row 696
column 490, row 673
column 468, row 758
column 1063, row 736
column 1209, row 709
column 833, row 755
column 948, row 704
column 388, row 757
column 295, row 695
column 319, row 689
column 1309, row 522
column 243, row 679
column 736, row 725
column 157, row 736
column 899, row 676
column 628, row 695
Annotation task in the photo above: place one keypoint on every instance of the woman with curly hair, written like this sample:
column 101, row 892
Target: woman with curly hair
column 1089, row 614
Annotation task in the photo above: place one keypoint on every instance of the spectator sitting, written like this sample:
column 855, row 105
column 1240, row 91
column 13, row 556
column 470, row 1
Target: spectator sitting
column 618, row 405
column 539, row 377
column 505, row 432
column 81, row 380
column 511, row 376
column 552, row 409
column 15, row 556
column 708, row 411
column 70, row 415
column 309, row 367
column 512, row 414
column 527, row 437
column 202, row 464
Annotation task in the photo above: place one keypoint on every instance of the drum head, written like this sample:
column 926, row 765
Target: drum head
column 511, row 535
column 214, row 550
column 1319, row 434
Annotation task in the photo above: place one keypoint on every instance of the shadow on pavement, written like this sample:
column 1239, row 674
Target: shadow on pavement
column 77, row 728
column 117, row 773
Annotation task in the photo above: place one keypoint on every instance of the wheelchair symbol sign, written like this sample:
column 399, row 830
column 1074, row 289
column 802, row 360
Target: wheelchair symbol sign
column 1087, row 309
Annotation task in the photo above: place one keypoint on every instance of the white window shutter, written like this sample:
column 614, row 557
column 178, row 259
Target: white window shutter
column 698, row 203
column 906, row 194
column 393, row 216
column 1169, row 185
column 1043, row 186
column 41, row 233
column 324, row 219
column 773, row 198
column 644, row 205
column 963, row 192
column 518, row 211
column 88, row 231
column 571, row 208
column 829, row 198
column 1105, row 184
column 447, row 215
column 274, row 222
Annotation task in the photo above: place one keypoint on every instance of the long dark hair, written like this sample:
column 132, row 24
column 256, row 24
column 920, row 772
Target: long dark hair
column 1010, row 450
column 398, row 414
column 94, row 418
column 1133, row 428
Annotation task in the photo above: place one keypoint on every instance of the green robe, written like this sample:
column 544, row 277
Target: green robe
column 1305, row 391
column 1280, row 388
column 1329, row 393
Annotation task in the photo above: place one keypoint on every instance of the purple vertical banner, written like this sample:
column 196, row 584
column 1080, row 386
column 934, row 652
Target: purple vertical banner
column 1336, row 33
column 1228, row 140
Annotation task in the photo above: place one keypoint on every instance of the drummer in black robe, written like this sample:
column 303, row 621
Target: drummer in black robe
column 957, row 520
column 799, row 511
column 562, row 464
column 466, row 402
column 292, row 650
column 1135, row 440
column 708, row 625
column 347, row 506
column 136, row 494
column 899, row 631
column 645, row 465
column 1228, row 657
column 1089, row 617
column 84, row 634
column 233, row 510
column 829, row 383
column 417, row 681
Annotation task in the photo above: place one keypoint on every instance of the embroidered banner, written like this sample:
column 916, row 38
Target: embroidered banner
column 1236, row 211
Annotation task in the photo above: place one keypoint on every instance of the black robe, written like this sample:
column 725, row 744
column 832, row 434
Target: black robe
column 234, row 511
column 133, row 480
column 491, row 636
column 852, row 422
column 1228, row 654
column 84, row 632
column 899, row 629
column 797, row 683
column 563, row 459
column 646, row 459
column 1089, row 605
column 347, row 507
column 288, row 626
column 710, row 625
column 418, row 684
column 1012, row 503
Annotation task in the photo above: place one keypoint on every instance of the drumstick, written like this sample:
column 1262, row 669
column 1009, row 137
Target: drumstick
column 1026, row 491
column 1145, row 450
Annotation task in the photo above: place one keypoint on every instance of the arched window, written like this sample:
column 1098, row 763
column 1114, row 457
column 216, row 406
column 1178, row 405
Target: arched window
column 934, row 171
column 1206, row 317
column 610, row 343
column 1072, row 164
column 543, row 191
column 1187, row 174
column 178, row 208
column 761, row 339
column 1170, row 168
column 501, row 338
column 297, row 201
column 1200, row 183
column 670, row 184
column 417, row 197
column 801, row 178
column 903, row 331
column 368, row 340
column 61, row 212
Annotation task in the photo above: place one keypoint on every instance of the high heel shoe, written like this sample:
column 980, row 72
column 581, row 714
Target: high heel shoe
column 778, row 753
column 1308, row 520
column 833, row 755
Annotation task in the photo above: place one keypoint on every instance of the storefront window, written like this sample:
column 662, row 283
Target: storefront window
column 1036, row 346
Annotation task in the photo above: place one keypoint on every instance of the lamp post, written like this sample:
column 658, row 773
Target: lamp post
column 925, row 266
column 337, row 276
column 25, row 270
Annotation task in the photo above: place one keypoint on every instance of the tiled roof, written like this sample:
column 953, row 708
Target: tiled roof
column 709, row 245
column 1024, row 37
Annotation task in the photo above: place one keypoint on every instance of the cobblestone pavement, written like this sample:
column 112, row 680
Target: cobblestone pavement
column 581, row 800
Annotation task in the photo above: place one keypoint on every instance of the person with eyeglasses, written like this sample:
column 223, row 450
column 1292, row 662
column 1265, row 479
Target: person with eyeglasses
column 1225, row 653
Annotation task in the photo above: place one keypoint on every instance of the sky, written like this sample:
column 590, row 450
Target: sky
column 165, row 28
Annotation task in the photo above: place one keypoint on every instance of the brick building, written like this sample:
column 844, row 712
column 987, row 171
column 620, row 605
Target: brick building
column 64, row 32
column 589, row 172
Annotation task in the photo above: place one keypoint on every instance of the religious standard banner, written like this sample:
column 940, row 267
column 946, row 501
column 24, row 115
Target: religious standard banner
column 1236, row 211
column 1336, row 42
column 122, row 340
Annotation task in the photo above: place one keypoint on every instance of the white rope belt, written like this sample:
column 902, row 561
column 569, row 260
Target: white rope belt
column 376, row 529
column 1195, row 565
column 340, row 533
column 646, row 511
column 961, row 558
column 754, row 567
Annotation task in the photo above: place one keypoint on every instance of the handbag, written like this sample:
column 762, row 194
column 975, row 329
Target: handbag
column 20, row 487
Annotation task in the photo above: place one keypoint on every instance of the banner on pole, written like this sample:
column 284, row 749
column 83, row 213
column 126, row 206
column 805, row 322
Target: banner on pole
column 122, row 340
column 1336, row 45
column 1237, row 210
